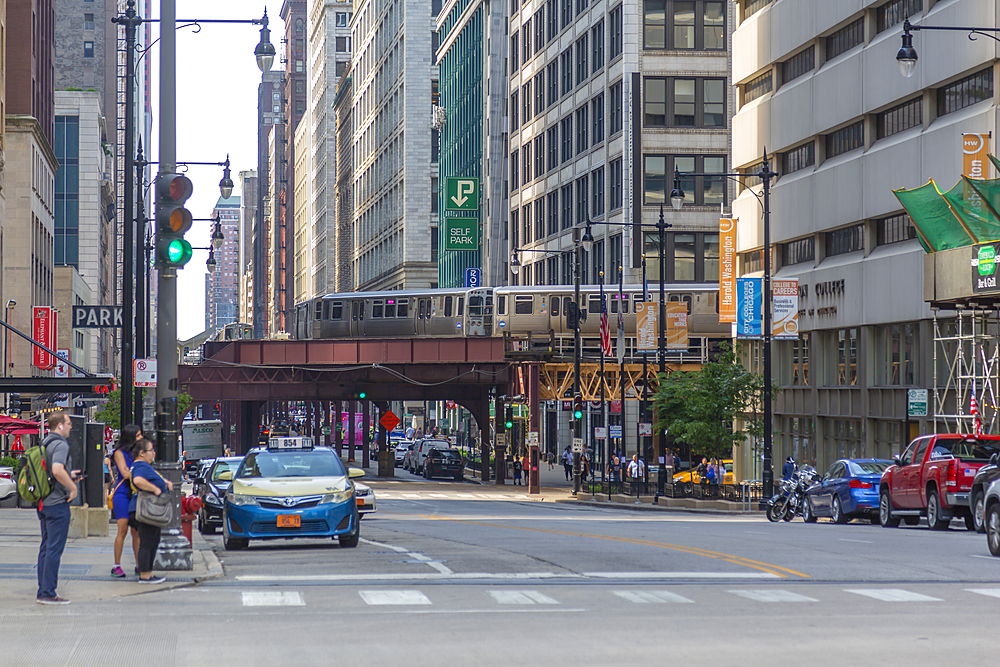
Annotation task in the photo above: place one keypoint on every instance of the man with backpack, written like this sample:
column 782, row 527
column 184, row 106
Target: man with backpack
column 53, row 509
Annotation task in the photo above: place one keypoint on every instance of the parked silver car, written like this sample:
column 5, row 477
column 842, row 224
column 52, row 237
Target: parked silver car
column 8, row 485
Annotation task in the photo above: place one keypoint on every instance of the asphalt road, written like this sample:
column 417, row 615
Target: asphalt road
column 451, row 572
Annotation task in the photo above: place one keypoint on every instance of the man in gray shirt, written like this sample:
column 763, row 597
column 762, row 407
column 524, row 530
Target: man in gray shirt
column 53, row 510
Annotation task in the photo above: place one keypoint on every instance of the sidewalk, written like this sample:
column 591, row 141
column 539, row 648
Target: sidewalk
column 85, row 573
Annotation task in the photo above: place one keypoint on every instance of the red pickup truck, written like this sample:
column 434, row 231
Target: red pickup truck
column 932, row 478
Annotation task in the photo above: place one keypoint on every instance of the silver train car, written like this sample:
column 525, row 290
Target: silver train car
column 450, row 313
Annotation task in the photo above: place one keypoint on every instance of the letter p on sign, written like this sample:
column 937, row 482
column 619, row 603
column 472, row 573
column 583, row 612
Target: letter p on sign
column 462, row 194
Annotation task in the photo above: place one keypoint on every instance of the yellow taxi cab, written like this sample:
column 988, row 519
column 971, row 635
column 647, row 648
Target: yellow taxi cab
column 692, row 475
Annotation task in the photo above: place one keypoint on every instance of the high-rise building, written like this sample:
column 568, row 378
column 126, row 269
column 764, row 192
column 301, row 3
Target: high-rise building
column 270, row 115
column 844, row 128
column 248, row 214
column 329, row 57
column 342, row 239
column 303, row 226
column 395, row 84
column 222, row 284
column 30, row 76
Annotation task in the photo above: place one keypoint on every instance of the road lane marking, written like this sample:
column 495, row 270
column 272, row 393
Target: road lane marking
column 783, row 572
column 892, row 595
column 773, row 595
column 272, row 599
column 680, row 575
column 440, row 567
column 472, row 576
column 374, row 598
column 991, row 592
column 521, row 597
column 656, row 597
column 858, row 541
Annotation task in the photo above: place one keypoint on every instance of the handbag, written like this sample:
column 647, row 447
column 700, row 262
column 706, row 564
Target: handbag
column 154, row 510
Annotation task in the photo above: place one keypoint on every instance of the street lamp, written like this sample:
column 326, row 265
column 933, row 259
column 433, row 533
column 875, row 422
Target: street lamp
column 217, row 236
column 766, row 176
column 906, row 57
column 226, row 184
column 265, row 50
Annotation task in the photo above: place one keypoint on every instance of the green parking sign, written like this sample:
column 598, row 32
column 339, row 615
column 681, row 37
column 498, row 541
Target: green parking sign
column 461, row 234
column 462, row 194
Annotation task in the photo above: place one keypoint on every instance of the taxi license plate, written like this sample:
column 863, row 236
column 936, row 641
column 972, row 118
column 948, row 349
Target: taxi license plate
column 289, row 521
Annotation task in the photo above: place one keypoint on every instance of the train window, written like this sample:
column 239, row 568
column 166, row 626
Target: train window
column 594, row 304
column 354, row 310
column 476, row 305
column 390, row 308
column 624, row 301
column 326, row 310
column 687, row 299
column 489, row 304
column 461, row 303
column 614, row 304
column 421, row 309
column 402, row 307
column 555, row 306
column 319, row 310
column 523, row 305
column 337, row 310
column 502, row 304
column 447, row 306
column 378, row 307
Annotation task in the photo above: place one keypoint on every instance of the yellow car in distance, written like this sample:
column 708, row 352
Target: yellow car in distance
column 692, row 475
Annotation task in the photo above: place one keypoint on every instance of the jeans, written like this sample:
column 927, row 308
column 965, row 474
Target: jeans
column 54, row 520
column 149, row 542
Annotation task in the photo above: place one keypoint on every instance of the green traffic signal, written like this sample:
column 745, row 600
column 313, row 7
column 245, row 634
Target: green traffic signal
column 362, row 395
column 577, row 414
column 508, row 421
column 175, row 252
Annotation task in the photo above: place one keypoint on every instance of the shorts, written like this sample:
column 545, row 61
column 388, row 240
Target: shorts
column 119, row 503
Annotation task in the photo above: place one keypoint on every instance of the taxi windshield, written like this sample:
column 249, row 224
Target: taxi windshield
column 291, row 464
column 224, row 466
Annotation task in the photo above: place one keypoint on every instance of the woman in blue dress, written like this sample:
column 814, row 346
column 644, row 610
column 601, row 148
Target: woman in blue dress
column 122, row 460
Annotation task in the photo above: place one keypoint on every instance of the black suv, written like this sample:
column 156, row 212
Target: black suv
column 442, row 462
column 977, row 494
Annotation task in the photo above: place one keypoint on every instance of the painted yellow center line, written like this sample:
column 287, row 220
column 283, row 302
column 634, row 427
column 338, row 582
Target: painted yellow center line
column 783, row 572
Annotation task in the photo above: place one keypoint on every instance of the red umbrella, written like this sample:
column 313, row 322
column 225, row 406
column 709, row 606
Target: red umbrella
column 18, row 447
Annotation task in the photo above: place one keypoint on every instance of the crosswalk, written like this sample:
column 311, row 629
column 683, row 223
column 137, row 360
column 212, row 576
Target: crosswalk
column 599, row 596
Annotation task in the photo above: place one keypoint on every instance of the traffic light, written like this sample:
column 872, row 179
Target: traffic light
column 15, row 402
column 508, row 419
column 572, row 315
column 172, row 220
column 578, row 407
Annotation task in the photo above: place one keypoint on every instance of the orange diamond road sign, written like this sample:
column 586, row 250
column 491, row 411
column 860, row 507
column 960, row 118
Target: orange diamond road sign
column 389, row 420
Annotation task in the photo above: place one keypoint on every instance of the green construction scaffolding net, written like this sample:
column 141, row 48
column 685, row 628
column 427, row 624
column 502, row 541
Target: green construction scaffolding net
column 965, row 215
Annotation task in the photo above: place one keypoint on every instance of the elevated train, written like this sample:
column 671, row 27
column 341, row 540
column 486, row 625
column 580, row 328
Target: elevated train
column 517, row 311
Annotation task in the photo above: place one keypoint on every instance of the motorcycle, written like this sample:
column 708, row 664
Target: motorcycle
column 790, row 500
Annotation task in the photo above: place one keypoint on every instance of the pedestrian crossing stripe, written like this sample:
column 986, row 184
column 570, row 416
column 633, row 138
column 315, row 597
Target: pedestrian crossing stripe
column 521, row 597
column 272, row 599
column 892, row 595
column 646, row 597
column 990, row 592
column 405, row 597
column 773, row 595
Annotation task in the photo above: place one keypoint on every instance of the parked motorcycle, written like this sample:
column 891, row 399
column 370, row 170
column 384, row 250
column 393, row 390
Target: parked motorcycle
column 790, row 500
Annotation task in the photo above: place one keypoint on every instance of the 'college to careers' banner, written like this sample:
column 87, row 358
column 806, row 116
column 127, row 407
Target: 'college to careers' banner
column 784, row 308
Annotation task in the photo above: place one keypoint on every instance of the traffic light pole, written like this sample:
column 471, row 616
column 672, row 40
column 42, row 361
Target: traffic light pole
column 175, row 551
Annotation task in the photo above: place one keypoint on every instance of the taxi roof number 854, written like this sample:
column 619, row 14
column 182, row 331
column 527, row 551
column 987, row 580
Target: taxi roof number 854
column 291, row 488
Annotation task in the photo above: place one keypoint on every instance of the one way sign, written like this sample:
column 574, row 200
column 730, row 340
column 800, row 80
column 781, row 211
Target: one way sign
column 97, row 317
column 462, row 194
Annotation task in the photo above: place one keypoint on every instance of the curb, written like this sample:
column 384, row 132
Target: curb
column 656, row 508
column 212, row 564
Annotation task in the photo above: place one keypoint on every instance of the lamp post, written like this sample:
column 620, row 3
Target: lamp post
column 766, row 176
column 906, row 57
column 661, row 227
column 6, row 367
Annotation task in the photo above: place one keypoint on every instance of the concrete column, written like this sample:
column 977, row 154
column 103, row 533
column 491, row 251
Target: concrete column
column 350, row 431
column 366, row 433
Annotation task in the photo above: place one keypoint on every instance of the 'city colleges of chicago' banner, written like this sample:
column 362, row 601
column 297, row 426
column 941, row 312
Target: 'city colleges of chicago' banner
column 748, row 308
column 727, row 269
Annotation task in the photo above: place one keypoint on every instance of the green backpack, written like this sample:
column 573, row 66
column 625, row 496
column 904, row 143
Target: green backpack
column 34, row 477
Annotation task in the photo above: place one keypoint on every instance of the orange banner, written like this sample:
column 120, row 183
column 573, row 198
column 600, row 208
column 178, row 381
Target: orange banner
column 677, row 325
column 646, row 330
column 975, row 152
column 727, row 270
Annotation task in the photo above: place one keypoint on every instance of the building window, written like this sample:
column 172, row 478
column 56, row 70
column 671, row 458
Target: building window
column 899, row 118
column 799, row 64
column 514, row 112
column 300, row 44
column 539, row 23
column 894, row 229
column 698, row 190
column 341, row 68
column 514, row 215
column 582, row 56
column 553, row 19
column 526, row 157
column 343, row 44
column 567, row 12
column 539, row 155
column 689, row 256
column 513, row 53
column 615, row 20
column 539, row 92
column 842, row 241
column 845, row 139
column 895, row 354
column 796, row 252
column 300, row 106
column 526, row 223
column 753, row 6
column 582, row 130
column 597, row 115
column 846, row 341
column 616, row 184
column 580, row 6
column 300, row 87
column 845, row 39
column 754, row 88
column 526, row 41
column 526, row 102
column 685, row 102
column 566, row 64
column 88, row 49
column 552, row 135
column 800, row 158
column 552, row 75
column 566, row 128
column 341, row 19
column 597, row 188
column 88, row 21
column 553, row 210
column 615, row 95
column 581, row 199
column 895, row 11
column 299, row 66
column 684, row 24
column 965, row 92
column 514, row 166
column 567, row 206
column 552, row 269
column 539, row 218
column 597, row 37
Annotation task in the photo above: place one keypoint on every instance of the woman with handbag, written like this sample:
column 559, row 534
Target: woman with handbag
column 146, row 480
column 121, row 494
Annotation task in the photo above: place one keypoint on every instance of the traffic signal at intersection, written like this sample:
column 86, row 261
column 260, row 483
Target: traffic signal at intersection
column 172, row 220
column 508, row 420
column 578, row 407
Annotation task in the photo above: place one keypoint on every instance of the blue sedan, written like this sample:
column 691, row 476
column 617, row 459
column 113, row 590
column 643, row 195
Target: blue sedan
column 849, row 489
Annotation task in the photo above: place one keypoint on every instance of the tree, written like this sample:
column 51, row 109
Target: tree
column 110, row 413
column 706, row 408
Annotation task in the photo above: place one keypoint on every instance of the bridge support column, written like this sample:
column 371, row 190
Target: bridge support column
column 386, row 459
column 335, row 425
column 366, row 432
column 499, row 447
column 350, row 431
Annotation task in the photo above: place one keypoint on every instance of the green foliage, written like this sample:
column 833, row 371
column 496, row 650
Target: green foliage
column 704, row 408
column 9, row 461
column 110, row 412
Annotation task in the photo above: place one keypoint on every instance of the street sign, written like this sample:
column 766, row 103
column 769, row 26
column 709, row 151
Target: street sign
column 616, row 430
column 144, row 371
column 501, row 440
column 473, row 277
column 389, row 421
column 97, row 317
column 461, row 234
column 600, row 432
column 645, row 428
column 532, row 438
column 461, row 194
column 62, row 368
column 232, row 429
column 326, row 430
column 916, row 402
column 578, row 445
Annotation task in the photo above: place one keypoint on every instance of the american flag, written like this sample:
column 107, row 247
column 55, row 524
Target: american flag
column 974, row 409
column 605, row 328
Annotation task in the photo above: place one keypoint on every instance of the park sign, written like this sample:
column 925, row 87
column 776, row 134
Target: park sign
column 461, row 194
column 461, row 234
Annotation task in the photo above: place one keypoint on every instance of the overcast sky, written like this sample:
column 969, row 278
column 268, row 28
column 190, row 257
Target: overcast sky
column 217, row 79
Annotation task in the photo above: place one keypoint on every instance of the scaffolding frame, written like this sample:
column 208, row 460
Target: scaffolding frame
column 966, row 358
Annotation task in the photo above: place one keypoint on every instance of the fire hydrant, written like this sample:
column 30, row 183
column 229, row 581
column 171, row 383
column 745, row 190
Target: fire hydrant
column 190, row 505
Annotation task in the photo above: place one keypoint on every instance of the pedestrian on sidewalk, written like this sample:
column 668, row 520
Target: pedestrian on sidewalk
column 615, row 472
column 517, row 471
column 53, row 510
column 635, row 471
column 525, row 469
column 551, row 458
column 122, row 494
column 145, row 478
column 567, row 461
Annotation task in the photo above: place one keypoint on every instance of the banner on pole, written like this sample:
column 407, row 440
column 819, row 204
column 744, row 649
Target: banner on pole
column 748, row 308
column 677, row 325
column 785, row 308
column 727, row 269
column 645, row 326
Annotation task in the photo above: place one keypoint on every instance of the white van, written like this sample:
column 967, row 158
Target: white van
column 423, row 446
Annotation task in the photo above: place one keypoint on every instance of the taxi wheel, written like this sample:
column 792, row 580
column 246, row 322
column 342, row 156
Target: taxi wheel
column 349, row 541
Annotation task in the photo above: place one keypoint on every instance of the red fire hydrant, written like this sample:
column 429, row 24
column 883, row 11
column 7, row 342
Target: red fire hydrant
column 190, row 505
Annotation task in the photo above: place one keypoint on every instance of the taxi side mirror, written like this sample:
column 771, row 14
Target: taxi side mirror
column 354, row 473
